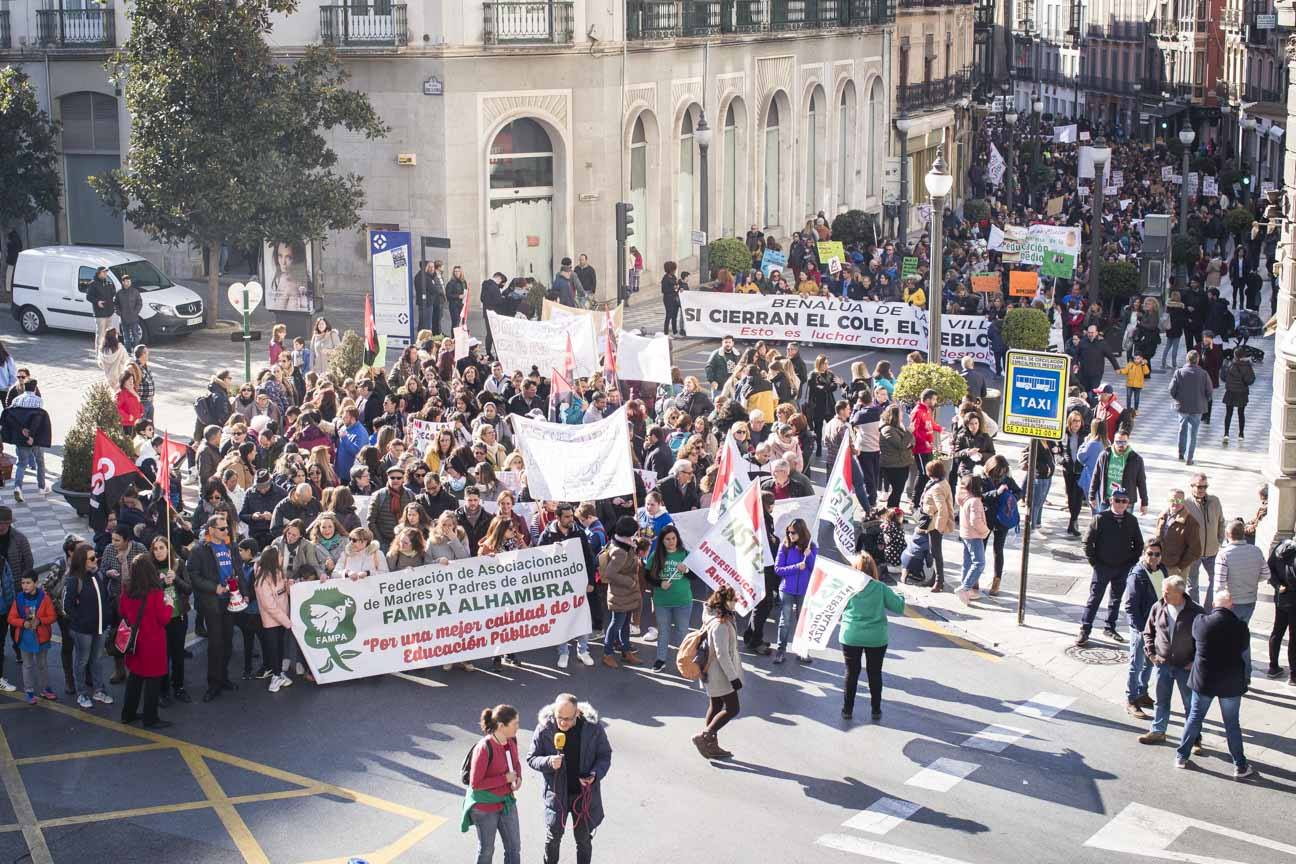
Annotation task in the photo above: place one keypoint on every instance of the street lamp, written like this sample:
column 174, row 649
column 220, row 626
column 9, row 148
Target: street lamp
column 939, row 184
column 1101, row 153
column 1186, row 137
column 1248, row 125
column 1011, row 117
column 1037, row 108
column 702, row 134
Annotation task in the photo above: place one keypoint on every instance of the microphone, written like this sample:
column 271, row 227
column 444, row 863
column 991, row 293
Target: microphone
column 560, row 740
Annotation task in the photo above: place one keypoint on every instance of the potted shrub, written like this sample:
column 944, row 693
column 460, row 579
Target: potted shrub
column 1118, row 281
column 348, row 358
column 917, row 377
column 976, row 210
column 727, row 253
column 854, row 226
column 1185, row 249
column 98, row 411
column 1026, row 329
column 1238, row 221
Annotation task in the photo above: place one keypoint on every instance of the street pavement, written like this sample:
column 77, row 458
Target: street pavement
column 990, row 732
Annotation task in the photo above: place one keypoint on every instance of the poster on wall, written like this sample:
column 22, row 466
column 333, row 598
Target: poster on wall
column 289, row 277
column 393, row 285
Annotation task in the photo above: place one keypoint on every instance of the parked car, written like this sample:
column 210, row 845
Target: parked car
column 50, row 282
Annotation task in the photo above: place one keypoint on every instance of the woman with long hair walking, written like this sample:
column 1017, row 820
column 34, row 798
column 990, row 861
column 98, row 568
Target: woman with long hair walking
column 863, row 634
column 494, row 774
column 723, row 675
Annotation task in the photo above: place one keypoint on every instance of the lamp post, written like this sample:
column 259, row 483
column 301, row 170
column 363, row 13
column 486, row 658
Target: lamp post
column 939, row 183
column 1186, row 137
column 1245, row 124
column 1101, row 153
column 1037, row 109
column 1011, row 117
column 702, row 134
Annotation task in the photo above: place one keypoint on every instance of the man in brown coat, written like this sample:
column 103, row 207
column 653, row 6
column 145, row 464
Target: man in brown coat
column 1181, row 536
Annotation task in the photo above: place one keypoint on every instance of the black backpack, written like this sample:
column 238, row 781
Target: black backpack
column 466, row 773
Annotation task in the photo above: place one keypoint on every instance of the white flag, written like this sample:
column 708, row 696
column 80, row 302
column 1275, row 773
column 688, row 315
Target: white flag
column 831, row 587
column 576, row 462
column 836, row 516
column 640, row 358
column 732, row 553
column 1065, row 134
column 731, row 480
column 995, row 170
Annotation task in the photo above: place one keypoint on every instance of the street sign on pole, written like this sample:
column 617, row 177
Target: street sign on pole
column 1034, row 405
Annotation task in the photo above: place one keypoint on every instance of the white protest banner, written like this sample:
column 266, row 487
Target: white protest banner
column 640, row 358
column 422, row 434
column 693, row 525
column 550, row 310
column 1118, row 178
column 1056, row 238
column 831, row 321
column 1125, row 203
column 733, row 552
column 432, row 615
column 649, row 479
column 576, row 463
column 1084, row 136
column 995, row 170
column 1167, row 172
column 830, row 589
column 1177, row 179
column 460, row 343
column 1210, row 187
column 996, row 240
column 521, row 344
column 835, row 521
column 1111, row 191
column 1065, row 134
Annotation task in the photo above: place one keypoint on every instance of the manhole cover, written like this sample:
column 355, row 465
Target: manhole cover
column 1097, row 655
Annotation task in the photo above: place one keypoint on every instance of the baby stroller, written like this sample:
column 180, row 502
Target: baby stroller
column 1249, row 326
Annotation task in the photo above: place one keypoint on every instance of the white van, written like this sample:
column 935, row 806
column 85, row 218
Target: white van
column 50, row 282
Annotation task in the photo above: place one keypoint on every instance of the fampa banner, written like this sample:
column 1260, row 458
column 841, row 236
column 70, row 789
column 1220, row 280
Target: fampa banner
column 428, row 616
column 576, row 463
column 831, row 587
column 521, row 344
column 831, row 321
column 733, row 552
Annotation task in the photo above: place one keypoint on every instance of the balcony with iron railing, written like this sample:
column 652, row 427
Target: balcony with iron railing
column 77, row 28
column 1115, row 85
column 1231, row 19
column 362, row 25
column 514, row 23
column 6, row 41
column 909, row 5
column 937, row 93
column 1163, row 28
column 669, row 19
column 986, row 13
column 1117, row 30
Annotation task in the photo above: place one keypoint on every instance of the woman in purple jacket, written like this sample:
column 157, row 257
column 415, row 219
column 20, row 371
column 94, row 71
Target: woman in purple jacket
column 794, row 564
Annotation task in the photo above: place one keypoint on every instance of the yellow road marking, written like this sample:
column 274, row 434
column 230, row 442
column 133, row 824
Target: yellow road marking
column 13, row 706
column 88, row 754
column 933, row 627
column 194, row 756
column 160, row 809
column 238, row 830
column 22, row 806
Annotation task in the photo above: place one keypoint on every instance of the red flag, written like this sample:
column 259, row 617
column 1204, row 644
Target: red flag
column 560, row 383
column 370, row 329
column 111, row 473
column 171, row 453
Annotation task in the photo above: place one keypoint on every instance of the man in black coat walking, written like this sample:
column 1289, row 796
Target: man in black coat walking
column 210, row 567
column 1218, row 672
column 1112, row 545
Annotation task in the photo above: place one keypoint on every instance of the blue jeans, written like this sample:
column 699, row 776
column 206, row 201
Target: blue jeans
column 669, row 617
column 617, row 636
column 1140, row 669
column 506, row 824
column 1040, row 492
column 1244, row 611
column 1167, row 678
column 1188, row 426
column 1132, row 395
column 789, row 612
column 1115, row 577
column 87, row 650
column 132, row 335
column 1171, row 354
column 30, row 457
column 1230, row 707
column 582, row 646
column 973, row 563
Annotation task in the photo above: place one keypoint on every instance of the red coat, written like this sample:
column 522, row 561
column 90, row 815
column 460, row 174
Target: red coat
column 150, row 657
column 129, row 407
column 925, row 429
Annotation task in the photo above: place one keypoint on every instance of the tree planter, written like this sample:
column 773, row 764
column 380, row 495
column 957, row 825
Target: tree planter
column 78, row 501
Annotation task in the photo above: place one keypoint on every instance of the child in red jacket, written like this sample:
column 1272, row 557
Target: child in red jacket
column 32, row 616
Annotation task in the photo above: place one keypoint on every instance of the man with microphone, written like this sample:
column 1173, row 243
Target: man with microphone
column 570, row 749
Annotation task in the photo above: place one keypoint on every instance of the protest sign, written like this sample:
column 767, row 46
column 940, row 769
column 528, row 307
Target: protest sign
column 1065, row 134
column 550, row 310
column 908, row 267
column 576, row 462
column 733, row 552
column 1167, row 172
column 1111, row 191
column 1054, row 207
column 830, row 249
column 986, row 283
column 422, row 434
column 639, row 358
column 772, row 260
column 521, row 344
column 1118, row 178
column 1022, row 283
column 435, row 614
column 1210, row 187
column 1058, row 264
column 831, row 586
column 831, row 320
column 995, row 170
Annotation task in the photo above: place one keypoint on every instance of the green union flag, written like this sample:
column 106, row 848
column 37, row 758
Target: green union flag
column 1058, row 264
column 836, row 522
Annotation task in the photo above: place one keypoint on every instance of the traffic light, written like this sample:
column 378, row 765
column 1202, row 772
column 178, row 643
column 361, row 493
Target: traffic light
column 624, row 220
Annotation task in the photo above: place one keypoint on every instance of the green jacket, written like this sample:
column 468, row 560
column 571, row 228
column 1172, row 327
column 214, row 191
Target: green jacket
column 864, row 620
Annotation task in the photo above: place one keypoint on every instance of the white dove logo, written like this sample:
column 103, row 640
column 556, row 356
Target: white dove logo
column 104, row 472
column 326, row 618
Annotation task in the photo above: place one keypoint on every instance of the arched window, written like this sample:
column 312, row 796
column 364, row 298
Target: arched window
column 811, row 155
column 684, row 192
column 772, row 177
column 730, row 205
column 875, row 117
column 639, row 183
column 521, row 157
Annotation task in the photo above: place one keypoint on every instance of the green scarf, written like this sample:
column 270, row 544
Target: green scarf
column 482, row 796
